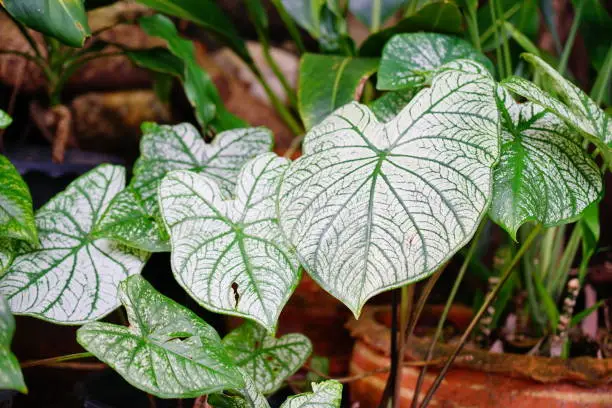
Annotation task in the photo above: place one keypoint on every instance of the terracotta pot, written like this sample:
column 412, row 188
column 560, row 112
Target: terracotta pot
column 478, row 378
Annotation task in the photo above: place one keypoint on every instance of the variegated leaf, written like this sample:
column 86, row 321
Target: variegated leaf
column 167, row 350
column 573, row 106
column 544, row 174
column 230, row 255
column 72, row 278
column 267, row 360
column 372, row 206
column 7, row 254
column 409, row 60
column 327, row 394
column 133, row 217
column 11, row 377
column 16, row 214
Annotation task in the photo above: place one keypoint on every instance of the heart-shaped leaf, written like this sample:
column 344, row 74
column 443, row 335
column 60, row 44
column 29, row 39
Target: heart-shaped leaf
column 372, row 206
column 72, row 278
column 267, row 360
column 327, row 82
column 544, row 174
column 65, row 20
column 327, row 394
column 167, row 350
column 11, row 377
column 5, row 119
column 573, row 106
column 16, row 214
column 409, row 60
column 230, row 255
column 133, row 217
column 390, row 104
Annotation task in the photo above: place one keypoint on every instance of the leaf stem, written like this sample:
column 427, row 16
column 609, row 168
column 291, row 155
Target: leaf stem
column 376, row 17
column 487, row 302
column 498, row 51
column 505, row 46
column 294, row 32
column 447, row 307
column 53, row 360
column 569, row 43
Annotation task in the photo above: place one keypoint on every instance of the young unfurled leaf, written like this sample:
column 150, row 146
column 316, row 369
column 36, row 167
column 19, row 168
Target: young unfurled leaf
column 267, row 360
column 544, row 174
column 327, row 82
column 374, row 13
column 167, row 350
column 230, row 255
column 390, row 104
column 409, row 60
column 573, row 106
column 72, row 277
column 372, row 206
column 10, row 372
column 65, row 20
column 327, row 394
column 133, row 216
column 5, row 119
column 16, row 214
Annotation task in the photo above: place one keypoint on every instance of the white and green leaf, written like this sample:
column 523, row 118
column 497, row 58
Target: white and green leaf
column 572, row 105
column 229, row 255
column 11, row 377
column 544, row 174
column 72, row 277
column 409, row 60
column 167, row 350
column 371, row 206
column 327, row 394
column 133, row 218
column 16, row 213
column 267, row 360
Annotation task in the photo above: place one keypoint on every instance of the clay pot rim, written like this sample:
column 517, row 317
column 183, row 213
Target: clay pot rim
column 586, row 371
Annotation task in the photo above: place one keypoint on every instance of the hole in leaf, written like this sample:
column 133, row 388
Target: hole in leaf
column 236, row 295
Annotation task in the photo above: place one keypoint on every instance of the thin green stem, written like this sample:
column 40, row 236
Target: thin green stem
column 376, row 15
column 498, row 51
column 277, row 71
column 294, row 32
column 487, row 302
column 53, row 360
column 507, row 15
column 405, row 312
column 557, row 281
column 601, row 85
column 447, row 307
column 569, row 43
column 281, row 109
column 502, row 29
column 472, row 25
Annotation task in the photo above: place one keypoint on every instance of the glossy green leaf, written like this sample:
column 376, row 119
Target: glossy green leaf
column 133, row 217
column 5, row 119
column 16, row 214
column 159, row 60
column 306, row 13
column 207, row 14
column 572, row 105
column 370, row 206
column 391, row 104
column 409, row 60
column 65, row 20
column 11, row 377
column 72, row 277
column 228, row 254
column 167, row 350
column 595, row 26
column 438, row 16
column 327, row 82
column 199, row 88
column 544, row 174
column 327, row 394
column 267, row 360
column 374, row 13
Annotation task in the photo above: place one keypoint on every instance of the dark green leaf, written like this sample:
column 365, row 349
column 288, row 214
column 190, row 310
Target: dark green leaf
column 158, row 60
column 390, row 104
column 589, row 222
column 10, row 372
column 257, row 14
column 596, row 29
column 65, row 20
column 576, row 319
column 409, row 60
column 327, row 82
column 207, row 14
column 441, row 16
column 374, row 13
column 307, row 13
column 16, row 213
column 151, row 356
